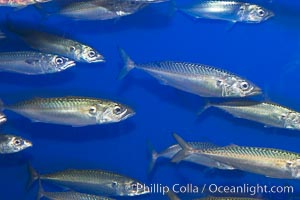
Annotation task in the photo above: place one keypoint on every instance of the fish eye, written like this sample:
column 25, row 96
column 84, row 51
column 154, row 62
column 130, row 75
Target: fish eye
column 134, row 187
column 244, row 85
column 17, row 142
column 92, row 54
column 72, row 48
column 59, row 61
column 261, row 12
column 92, row 110
column 114, row 184
column 117, row 110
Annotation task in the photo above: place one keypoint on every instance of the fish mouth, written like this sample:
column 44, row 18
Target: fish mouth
column 28, row 143
column 70, row 63
column 129, row 113
column 98, row 59
column 256, row 91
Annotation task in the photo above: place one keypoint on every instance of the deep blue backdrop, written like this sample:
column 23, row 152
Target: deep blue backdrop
column 266, row 53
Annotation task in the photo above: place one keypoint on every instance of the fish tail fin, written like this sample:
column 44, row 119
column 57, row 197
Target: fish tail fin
column 41, row 191
column 128, row 64
column 206, row 106
column 154, row 156
column 33, row 176
column 185, row 151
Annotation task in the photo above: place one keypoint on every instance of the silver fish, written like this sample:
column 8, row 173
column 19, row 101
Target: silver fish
column 12, row 144
column 74, row 111
column 68, row 195
column 269, row 162
column 194, row 78
column 2, row 118
column 171, row 151
column 97, row 182
column 50, row 43
column 20, row 3
column 101, row 9
column 267, row 113
column 232, row 11
column 33, row 63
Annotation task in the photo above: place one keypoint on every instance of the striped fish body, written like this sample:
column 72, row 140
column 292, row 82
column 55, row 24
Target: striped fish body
column 101, row 9
column 269, row 162
column 221, row 10
column 74, row 111
column 33, row 63
column 263, row 112
column 71, row 196
column 232, row 11
column 195, row 158
column 50, row 43
column 20, row 3
column 96, row 182
column 199, row 79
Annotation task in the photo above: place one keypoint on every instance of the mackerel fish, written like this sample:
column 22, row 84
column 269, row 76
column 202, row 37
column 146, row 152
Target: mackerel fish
column 98, row 182
column 50, row 43
column 267, row 113
column 20, row 3
column 101, row 9
column 233, row 11
column 274, row 163
column 68, row 195
column 197, row 79
column 74, row 111
column 33, row 63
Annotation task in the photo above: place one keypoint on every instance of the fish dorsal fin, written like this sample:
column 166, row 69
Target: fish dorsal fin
column 232, row 145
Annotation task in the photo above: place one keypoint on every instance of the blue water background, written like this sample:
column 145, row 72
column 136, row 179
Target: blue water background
column 267, row 54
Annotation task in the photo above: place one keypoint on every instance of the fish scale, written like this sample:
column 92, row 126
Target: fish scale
column 254, row 151
column 74, row 111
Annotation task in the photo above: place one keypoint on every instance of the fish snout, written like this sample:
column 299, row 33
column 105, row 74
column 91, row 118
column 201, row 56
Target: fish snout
column 27, row 143
column 256, row 91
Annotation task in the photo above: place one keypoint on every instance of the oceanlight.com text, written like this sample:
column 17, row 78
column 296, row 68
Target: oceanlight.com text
column 244, row 189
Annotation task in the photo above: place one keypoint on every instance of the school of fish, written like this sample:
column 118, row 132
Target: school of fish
column 54, row 53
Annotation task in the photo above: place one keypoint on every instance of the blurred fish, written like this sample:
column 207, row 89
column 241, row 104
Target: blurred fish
column 20, row 3
column 197, row 79
column 101, row 9
column 68, row 195
column 2, row 118
column 93, row 182
column 74, row 111
column 49, row 43
column 274, row 163
column 227, row 198
column 198, row 159
column 12, row 144
column 267, row 113
column 33, row 63
column 232, row 11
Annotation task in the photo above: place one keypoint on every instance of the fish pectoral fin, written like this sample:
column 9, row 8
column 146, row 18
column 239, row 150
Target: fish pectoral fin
column 31, row 61
column 35, row 121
